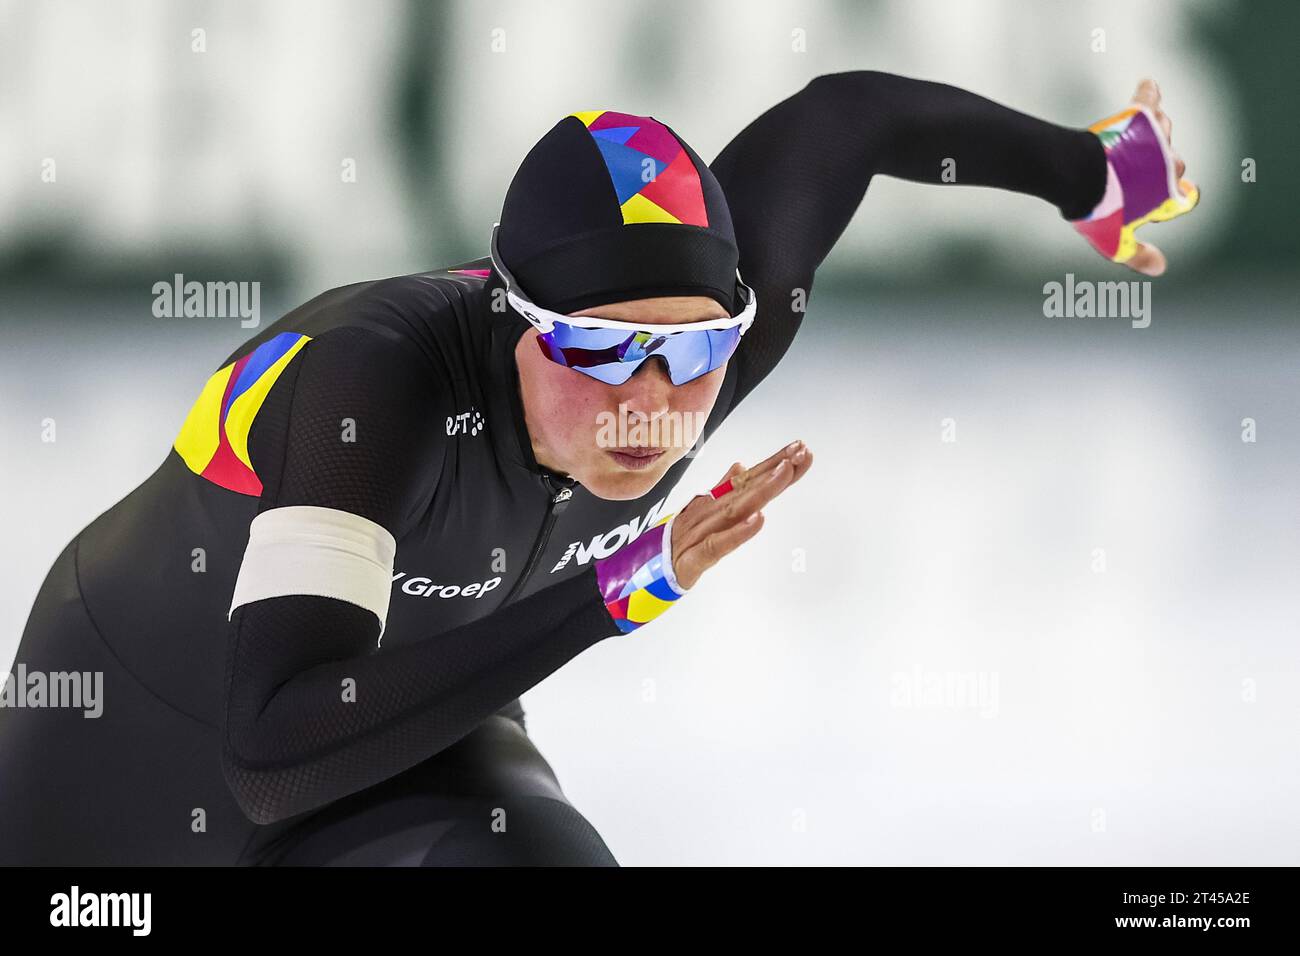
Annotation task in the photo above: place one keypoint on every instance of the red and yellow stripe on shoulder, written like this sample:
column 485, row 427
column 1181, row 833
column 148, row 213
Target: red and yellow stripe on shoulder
column 214, row 439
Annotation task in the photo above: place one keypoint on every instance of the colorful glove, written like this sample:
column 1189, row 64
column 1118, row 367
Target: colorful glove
column 637, row 580
column 1141, row 186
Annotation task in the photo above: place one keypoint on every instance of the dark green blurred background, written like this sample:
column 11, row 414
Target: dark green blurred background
column 225, row 162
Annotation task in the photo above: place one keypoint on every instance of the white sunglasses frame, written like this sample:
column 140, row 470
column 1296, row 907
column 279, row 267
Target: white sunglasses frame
column 544, row 320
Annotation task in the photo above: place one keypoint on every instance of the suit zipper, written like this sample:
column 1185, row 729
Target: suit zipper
column 559, row 501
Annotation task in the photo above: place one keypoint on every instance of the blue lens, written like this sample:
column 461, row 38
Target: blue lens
column 692, row 354
column 613, row 355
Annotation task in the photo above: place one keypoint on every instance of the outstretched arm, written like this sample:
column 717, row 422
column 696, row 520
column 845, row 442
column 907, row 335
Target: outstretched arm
column 795, row 176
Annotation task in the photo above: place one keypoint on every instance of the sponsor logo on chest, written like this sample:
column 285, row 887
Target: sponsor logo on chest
column 427, row 587
column 603, row 545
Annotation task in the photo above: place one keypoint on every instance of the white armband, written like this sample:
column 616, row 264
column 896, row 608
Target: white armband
column 304, row 549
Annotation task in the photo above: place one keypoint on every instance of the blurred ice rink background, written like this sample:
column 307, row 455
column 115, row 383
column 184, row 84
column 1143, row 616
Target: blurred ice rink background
column 1144, row 714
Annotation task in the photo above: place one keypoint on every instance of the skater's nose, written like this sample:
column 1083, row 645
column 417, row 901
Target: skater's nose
column 648, row 392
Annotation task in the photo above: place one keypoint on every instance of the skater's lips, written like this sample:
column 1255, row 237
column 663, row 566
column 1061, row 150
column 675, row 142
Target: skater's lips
column 635, row 458
column 638, row 451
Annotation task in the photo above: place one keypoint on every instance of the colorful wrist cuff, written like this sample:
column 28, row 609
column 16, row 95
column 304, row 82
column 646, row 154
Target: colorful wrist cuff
column 637, row 581
column 1140, row 184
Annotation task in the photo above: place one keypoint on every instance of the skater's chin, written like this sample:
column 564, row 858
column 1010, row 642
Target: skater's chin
column 625, row 474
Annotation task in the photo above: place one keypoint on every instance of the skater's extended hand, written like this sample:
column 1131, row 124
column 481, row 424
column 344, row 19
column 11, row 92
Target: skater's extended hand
column 709, row 527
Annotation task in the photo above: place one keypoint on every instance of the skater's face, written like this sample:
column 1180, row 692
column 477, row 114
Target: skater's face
column 617, row 440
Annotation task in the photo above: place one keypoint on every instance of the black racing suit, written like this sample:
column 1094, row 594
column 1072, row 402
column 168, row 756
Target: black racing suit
column 227, row 742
